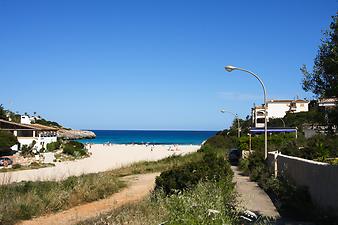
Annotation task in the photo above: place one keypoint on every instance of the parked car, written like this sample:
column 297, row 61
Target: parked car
column 5, row 161
column 234, row 156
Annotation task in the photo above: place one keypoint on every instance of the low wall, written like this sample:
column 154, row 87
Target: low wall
column 320, row 178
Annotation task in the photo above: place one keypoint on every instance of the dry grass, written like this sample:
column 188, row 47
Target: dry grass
column 24, row 200
column 208, row 203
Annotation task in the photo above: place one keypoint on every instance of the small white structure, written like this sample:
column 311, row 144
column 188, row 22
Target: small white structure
column 277, row 109
column 27, row 119
column 27, row 133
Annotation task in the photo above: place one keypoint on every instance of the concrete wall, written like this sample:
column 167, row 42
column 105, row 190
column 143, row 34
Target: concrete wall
column 278, row 109
column 320, row 178
column 40, row 141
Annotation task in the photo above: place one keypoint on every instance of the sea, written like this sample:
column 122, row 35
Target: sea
column 158, row 137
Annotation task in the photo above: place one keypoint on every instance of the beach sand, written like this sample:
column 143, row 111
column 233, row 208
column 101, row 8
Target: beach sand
column 103, row 158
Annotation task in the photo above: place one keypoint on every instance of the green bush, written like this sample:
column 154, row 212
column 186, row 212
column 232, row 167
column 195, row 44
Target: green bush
column 16, row 166
column 319, row 147
column 7, row 139
column 47, row 123
column 209, row 203
column 291, row 200
column 54, row 146
column 187, row 176
column 221, row 143
column 27, row 150
column 74, row 148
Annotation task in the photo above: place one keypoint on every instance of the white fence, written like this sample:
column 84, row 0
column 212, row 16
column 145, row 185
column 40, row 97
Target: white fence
column 320, row 178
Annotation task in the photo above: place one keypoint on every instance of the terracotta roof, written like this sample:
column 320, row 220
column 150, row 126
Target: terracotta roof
column 258, row 107
column 272, row 101
column 301, row 101
column 288, row 101
column 42, row 127
column 328, row 100
column 29, row 126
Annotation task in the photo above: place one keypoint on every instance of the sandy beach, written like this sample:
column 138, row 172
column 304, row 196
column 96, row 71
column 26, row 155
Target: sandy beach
column 103, row 158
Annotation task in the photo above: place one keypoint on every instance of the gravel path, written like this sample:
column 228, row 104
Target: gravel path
column 139, row 186
column 252, row 197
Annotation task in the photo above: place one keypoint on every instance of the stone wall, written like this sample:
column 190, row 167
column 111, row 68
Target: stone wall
column 320, row 178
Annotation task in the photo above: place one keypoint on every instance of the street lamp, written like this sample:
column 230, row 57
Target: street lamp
column 283, row 122
column 232, row 68
column 236, row 116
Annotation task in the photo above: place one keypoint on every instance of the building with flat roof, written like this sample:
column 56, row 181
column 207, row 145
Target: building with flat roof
column 277, row 109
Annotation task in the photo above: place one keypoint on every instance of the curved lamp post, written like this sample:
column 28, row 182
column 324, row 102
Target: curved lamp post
column 283, row 122
column 236, row 116
column 230, row 68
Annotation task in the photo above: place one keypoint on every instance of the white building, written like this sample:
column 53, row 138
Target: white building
column 278, row 109
column 328, row 103
column 27, row 133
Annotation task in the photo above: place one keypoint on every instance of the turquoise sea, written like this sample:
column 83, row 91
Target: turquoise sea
column 149, row 136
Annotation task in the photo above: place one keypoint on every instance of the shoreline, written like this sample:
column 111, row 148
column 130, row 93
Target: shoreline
column 102, row 158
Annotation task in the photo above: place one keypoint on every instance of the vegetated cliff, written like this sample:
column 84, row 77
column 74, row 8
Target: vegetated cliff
column 75, row 134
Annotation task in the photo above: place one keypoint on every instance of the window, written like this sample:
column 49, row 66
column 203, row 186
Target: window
column 260, row 120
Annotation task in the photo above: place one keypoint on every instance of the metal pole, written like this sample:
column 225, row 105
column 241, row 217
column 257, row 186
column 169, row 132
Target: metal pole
column 249, row 142
column 238, row 128
column 283, row 122
column 265, row 109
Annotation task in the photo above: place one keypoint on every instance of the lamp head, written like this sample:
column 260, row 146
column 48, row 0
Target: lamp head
column 229, row 68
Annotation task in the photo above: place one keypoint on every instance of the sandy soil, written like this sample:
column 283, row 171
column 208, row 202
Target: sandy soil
column 103, row 158
column 139, row 186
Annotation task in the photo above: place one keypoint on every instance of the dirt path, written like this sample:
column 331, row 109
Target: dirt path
column 139, row 186
column 252, row 197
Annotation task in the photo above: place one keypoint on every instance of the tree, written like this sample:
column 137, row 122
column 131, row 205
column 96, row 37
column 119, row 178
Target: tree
column 2, row 112
column 7, row 139
column 323, row 80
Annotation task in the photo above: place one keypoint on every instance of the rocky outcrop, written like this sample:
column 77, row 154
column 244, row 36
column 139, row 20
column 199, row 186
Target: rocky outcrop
column 75, row 134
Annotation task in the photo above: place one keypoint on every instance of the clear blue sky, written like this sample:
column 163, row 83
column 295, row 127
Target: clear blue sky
column 153, row 64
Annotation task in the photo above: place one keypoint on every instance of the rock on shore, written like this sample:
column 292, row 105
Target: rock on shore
column 75, row 134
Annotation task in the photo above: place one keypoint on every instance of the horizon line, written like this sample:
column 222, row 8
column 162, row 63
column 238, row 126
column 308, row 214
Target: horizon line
column 147, row 130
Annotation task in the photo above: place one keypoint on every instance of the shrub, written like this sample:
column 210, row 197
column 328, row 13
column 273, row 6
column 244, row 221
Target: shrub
column 16, row 166
column 220, row 144
column 54, row 145
column 208, row 203
column 47, row 123
column 291, row 200
column 7, row 139
column 319, row 147
column 74, row 148
column 27, row 150
column 187, row 176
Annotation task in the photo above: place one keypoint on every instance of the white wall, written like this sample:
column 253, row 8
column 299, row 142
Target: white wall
column 319, row 178
column 25, row 120
column 45, row 141
column 40, row 141
column 302, row 107
column 26, row 140
column 278, row 109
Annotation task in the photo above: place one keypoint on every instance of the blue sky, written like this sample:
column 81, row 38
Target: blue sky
column 153, row 64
